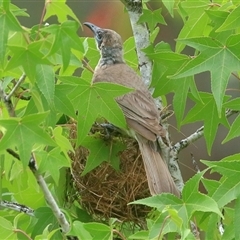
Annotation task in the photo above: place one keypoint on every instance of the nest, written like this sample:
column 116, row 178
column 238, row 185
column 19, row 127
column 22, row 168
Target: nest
column 104, row 192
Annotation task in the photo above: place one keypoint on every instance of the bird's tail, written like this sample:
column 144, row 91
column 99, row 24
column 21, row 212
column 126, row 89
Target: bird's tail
column 158, row 175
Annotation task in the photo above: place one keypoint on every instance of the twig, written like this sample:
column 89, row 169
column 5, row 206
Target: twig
column 195, row 165
column 17, row 207
column 163, row 225
column 119, row 233
column 196, row 135
column 19, row 82
column 22, row 232
column 46, row 192
column 48, row 196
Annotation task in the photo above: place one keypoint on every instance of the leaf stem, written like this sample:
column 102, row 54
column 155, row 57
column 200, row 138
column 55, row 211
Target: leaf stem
column 22, row 232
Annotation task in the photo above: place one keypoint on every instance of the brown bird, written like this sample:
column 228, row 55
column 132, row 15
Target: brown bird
column 139, row 108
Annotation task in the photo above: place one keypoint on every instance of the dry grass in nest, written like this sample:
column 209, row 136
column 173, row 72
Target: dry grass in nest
column 105, row 192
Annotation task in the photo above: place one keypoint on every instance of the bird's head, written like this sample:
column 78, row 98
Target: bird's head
column 105, row 38
column 109, row 43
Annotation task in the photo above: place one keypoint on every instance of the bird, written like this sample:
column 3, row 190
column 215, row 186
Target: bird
column 139, row 108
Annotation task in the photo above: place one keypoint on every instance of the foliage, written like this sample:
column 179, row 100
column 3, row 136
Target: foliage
column 39, row 92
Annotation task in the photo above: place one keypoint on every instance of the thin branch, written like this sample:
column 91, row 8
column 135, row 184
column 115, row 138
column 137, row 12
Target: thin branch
column 196, row 135
column 19, row 82
column 17, row 207
column 46, row 192
column 22, row 232
column 49, row 197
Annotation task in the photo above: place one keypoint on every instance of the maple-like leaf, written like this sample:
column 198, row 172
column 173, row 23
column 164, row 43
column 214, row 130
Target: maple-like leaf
column 191, row 201
column 221, row 59
column 92, row 100
column 52, row 162
column 8, row 22
column 24, row 133
column 229, row 189
column 27, row 57
column 206, row 110
column 152, row 18
column 100, row 151
column 65, row 38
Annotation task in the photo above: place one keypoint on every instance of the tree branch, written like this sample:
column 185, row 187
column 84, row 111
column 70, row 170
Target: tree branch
column 19, row 82
column 196, row 135
column 141, row 36
column 17, row 207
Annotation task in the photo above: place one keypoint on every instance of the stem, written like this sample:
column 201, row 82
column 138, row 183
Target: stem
column 197, row 134
column 19, row 82
column 17, row 207
column 22, row 232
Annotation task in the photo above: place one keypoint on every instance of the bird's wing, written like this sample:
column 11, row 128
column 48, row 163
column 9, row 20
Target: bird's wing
column 141, row 114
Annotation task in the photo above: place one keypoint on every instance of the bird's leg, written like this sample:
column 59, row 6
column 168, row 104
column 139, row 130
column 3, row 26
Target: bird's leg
column 110, row 130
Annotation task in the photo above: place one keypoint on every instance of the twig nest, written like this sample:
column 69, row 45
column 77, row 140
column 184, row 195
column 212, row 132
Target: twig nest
column 105, row 192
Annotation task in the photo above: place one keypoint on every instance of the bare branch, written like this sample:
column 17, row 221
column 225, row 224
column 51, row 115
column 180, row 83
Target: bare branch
column 17, row 207
column 19, row 82
column 48, row 196
column 196, row 135
column 46, row 192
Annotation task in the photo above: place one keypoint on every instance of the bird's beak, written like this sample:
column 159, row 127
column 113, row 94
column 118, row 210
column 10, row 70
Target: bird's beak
column 92, row 27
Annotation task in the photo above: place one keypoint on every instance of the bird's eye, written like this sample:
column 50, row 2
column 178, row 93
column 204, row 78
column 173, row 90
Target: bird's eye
column 99, row 36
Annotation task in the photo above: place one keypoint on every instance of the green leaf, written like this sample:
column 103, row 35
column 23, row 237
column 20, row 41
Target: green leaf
column 62, row 141
column 229, row 188
column 100, row 151
column 79, row 230
column 6, row 229
column 233, row 104
column 62, row 102
column 52, row 162
column 28, row 58
column 220, row 59
column 234, row 130
column 44, row 217
column 169, row 4
column 65, row 38
column 169, row 224
column 192, row 201
column 152, row 18
column 60, row 9
column 8, row 22
column 236, row 219
column 98, row 231
column 197, row 21
column 24, row 133
column 94, row 100
column 232, row 21
column 211, row 120
column 140, row 235
column 45, row 79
